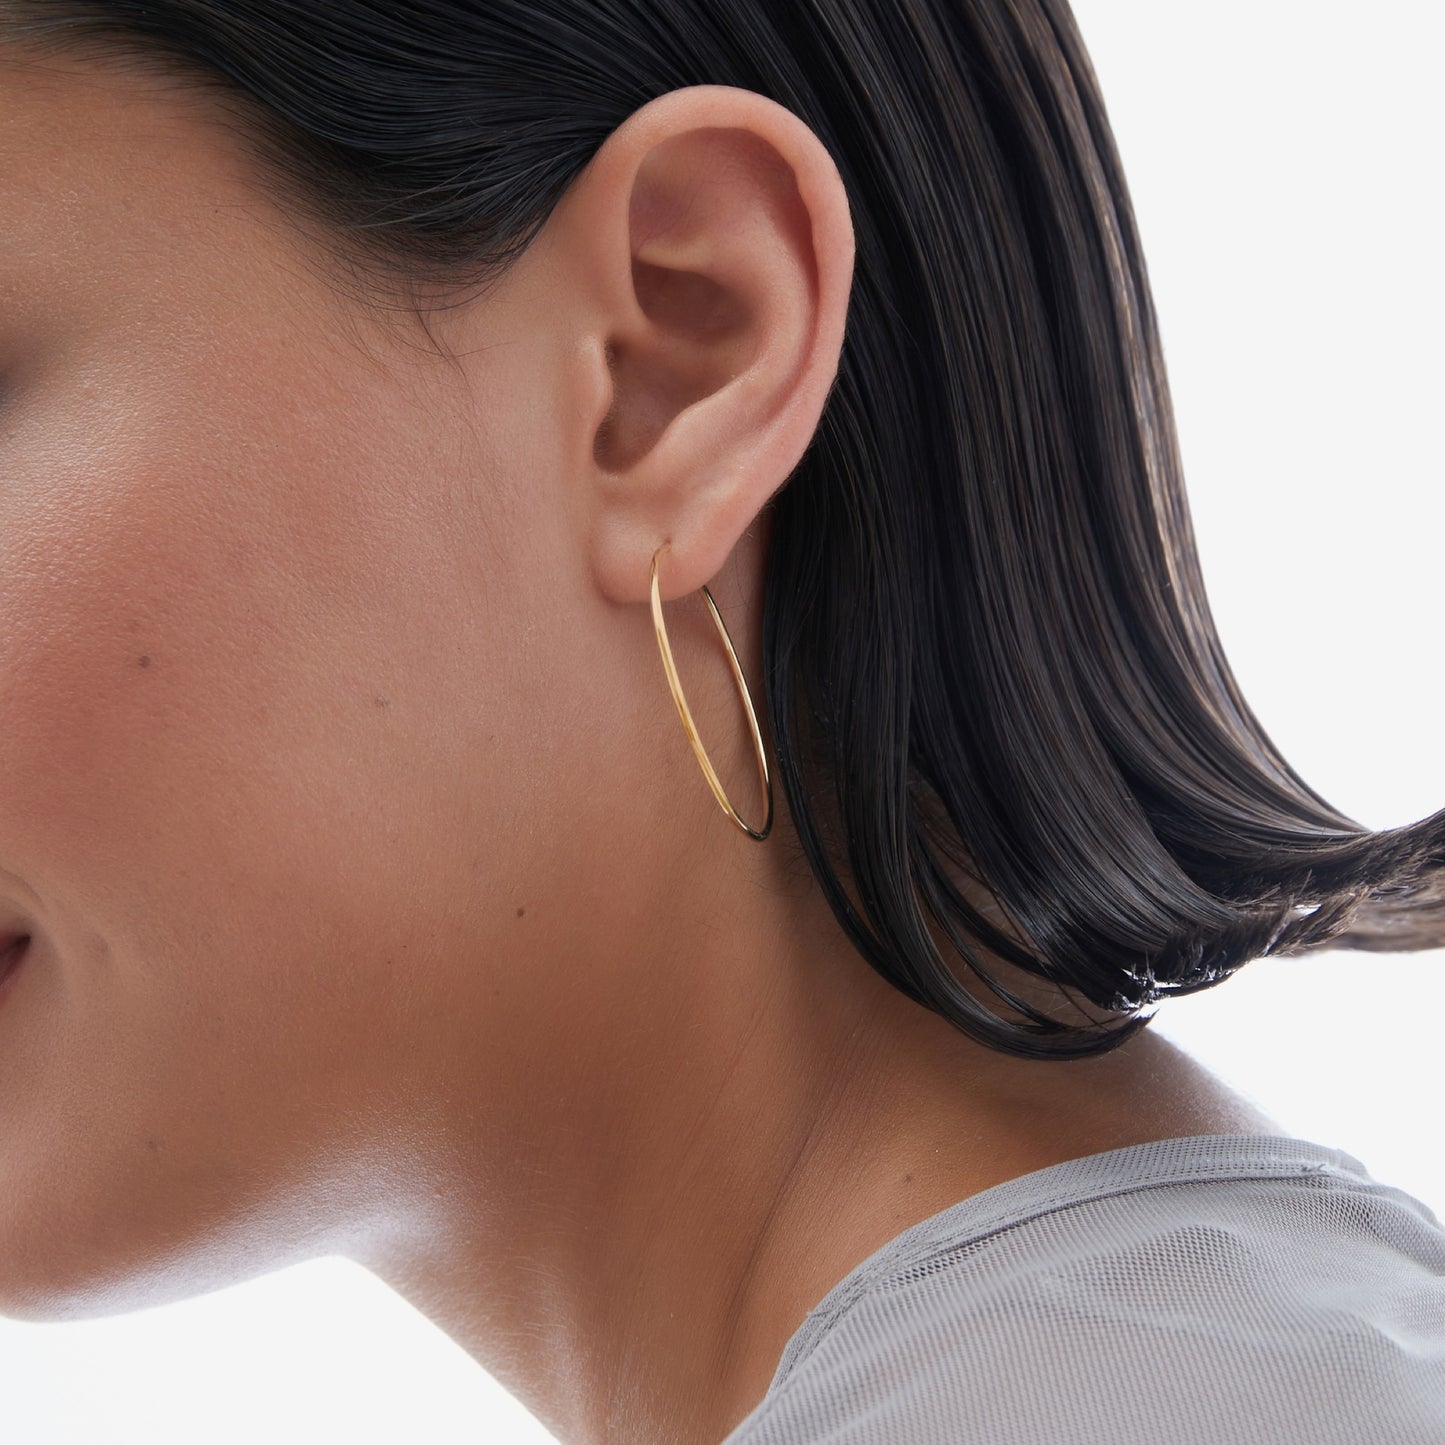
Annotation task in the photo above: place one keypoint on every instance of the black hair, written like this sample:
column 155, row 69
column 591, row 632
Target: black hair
column 986, row 641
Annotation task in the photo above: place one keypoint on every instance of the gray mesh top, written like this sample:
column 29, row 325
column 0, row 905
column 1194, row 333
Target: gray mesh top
column 1229, row 1289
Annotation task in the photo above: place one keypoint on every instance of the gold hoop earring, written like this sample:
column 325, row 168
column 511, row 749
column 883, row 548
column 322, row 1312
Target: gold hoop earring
column 686, row 714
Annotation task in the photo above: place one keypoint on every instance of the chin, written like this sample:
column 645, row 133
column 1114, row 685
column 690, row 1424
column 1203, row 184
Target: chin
column 53, row 1271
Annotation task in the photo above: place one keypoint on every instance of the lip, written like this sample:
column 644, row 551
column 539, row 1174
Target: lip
column 13, row 948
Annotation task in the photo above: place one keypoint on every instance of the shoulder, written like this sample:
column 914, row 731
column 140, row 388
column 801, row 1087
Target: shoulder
column 1288, row 1309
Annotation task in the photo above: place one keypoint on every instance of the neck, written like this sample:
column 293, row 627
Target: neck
column 627, row 1243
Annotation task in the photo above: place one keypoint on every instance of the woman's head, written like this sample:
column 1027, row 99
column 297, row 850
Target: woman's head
column 334, row 709
column 356, row 360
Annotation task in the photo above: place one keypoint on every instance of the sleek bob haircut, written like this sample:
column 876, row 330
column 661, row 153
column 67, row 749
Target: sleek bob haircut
column 987, row 645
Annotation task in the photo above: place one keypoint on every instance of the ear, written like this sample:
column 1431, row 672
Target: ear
column 708, row 255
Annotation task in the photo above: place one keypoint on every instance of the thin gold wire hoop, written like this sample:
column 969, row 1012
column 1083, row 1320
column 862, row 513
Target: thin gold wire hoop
column 686, row 713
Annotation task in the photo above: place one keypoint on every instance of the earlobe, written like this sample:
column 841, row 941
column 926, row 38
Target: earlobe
column 713, row 230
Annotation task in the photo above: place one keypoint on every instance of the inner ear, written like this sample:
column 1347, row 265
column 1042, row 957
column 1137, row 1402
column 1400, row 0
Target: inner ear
column 679, row 300
column 700, row 335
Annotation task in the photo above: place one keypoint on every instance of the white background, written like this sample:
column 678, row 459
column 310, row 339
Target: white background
column 1284, row 162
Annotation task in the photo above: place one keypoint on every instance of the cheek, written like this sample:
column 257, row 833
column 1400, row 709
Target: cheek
column 152, row 631
column 214, row 756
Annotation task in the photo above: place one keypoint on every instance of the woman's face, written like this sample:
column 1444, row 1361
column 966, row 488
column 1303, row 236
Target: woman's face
column 283, row 601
